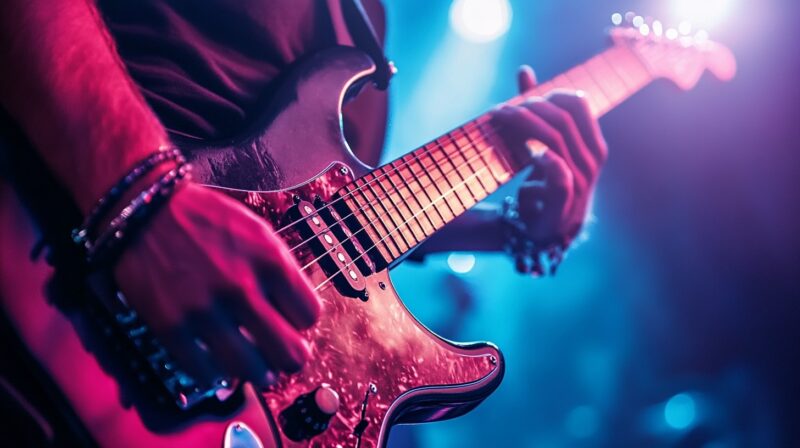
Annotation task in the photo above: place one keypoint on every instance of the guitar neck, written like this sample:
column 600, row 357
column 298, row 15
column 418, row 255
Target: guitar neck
column 402, row 203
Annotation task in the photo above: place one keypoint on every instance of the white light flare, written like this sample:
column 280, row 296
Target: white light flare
column 616, row 19
column 701, row 13
column 671, row 34
column 480, row 20
column 461, row 263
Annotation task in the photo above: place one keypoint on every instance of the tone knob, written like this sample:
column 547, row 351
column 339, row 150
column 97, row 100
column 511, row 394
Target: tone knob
column 310, row 413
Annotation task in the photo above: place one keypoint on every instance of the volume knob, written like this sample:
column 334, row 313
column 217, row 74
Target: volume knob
column 310, row 413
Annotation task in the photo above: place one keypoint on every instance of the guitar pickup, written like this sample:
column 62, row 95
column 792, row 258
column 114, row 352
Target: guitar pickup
column 320, row 230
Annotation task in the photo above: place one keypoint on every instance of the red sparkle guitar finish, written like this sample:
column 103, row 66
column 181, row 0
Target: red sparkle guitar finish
column 384, row 365
column 417, row 375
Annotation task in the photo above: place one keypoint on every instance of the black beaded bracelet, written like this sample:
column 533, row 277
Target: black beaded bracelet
column 529, row 257
column 82, row 234
column 133, row 217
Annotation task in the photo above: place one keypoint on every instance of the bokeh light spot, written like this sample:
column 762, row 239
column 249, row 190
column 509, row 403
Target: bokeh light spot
column 679, row 412
column 706, row 13
column 582, row 422
column 461, row 263
column 480, row 20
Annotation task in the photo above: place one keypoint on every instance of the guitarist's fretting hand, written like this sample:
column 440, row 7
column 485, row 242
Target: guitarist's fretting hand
column 206, row 267
column 555, row 205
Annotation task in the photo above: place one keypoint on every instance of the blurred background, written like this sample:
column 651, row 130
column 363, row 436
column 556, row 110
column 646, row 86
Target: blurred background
column 677, row 323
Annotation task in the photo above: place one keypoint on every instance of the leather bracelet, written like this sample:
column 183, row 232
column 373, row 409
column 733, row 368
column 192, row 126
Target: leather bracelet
column 529, row 257
column 81, row 234
column 133, row 217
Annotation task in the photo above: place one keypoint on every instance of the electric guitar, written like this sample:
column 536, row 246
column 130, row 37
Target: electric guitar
column 373, row 364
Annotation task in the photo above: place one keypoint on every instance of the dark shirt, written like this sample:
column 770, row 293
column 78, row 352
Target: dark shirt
column 208, row 67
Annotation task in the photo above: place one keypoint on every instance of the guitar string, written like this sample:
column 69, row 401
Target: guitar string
column 460, row 184
column 443, row 196
column 452, row 190
column 452, row 140
column 463, row 130
column 405, row 186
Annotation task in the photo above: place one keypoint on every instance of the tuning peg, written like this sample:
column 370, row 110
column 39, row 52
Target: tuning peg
column 657, row 27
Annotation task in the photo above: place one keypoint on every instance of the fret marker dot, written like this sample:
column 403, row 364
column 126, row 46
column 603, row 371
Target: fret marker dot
column 328, row 239
column 308, row 209
column 315, row 221
column 340, row 256
column 353, row 275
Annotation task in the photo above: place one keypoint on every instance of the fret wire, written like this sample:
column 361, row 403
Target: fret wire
column 484, row 135
column 587, row 84
column 405, row 203
column 454, row 143
column 421, row 164
column 602, row 88
column 611, row 77
column 390, row 215
column 460, row 151
column 428, row 174
column 451, row 191
column 447, row 180
column 416, row 200
column 458, row 175
column 372, row 222
column 474, row 145
column 425, row 191
column 383, row 238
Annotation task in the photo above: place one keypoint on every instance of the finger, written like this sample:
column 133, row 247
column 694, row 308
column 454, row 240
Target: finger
column 234, row 353
column 587, row 124
column 276, row 339
column 562, row 121
column 181, row 344
column 543, row 131
column 546, row 205
column 526, row 78
column 287, row 287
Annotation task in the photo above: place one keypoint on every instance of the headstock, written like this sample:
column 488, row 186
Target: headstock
column 672, row 53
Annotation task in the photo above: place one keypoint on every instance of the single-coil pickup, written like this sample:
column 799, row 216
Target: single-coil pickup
column 318, row 229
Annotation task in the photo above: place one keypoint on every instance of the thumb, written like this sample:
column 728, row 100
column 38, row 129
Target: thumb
column 526, row 78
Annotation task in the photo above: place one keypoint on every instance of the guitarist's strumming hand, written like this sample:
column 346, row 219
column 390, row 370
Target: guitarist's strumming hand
column 220, row 289
column 555, row 200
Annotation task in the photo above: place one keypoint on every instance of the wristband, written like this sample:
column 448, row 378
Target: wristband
column 82, row 234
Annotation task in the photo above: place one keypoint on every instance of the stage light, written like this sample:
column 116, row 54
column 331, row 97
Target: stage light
column 461, row 263
column 679, row 412
column 701, row 13
column 616, row 18
column 480, row 20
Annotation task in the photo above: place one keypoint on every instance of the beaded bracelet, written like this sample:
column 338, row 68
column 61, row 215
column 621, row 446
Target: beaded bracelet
column 529, row 257
column 81, row 234
column 122, row 228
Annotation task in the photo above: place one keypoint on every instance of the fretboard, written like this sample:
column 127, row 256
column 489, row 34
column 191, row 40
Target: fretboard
column 405, row 201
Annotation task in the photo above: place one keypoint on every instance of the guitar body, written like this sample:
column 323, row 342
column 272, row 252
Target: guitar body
column 384, row 365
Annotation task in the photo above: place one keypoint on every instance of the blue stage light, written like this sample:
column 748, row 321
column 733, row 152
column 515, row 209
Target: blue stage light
column 680, row 411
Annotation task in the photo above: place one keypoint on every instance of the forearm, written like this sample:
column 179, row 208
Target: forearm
column 65, row 86
column 478, row 230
